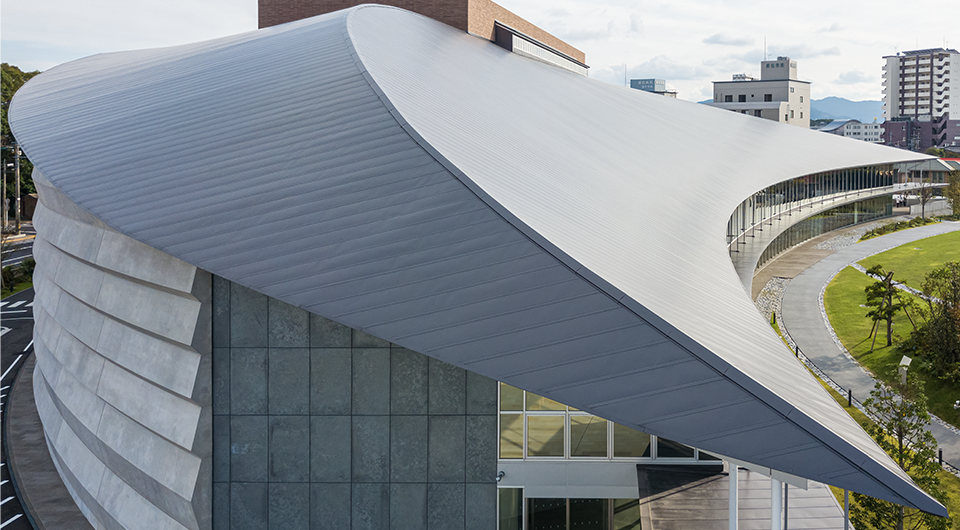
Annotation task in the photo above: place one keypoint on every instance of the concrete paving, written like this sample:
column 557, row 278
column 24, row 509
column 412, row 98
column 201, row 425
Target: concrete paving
column 804, row 321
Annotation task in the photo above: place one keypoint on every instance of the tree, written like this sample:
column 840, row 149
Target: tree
column 952, row 191
column 938, row 337
column 901, row 429
column 880, row 296
column 925, row 192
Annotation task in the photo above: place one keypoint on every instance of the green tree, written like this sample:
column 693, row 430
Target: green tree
column 901, row 429
column 13, row 79
column 952, row 190
column 880, row 296
column 938, row 337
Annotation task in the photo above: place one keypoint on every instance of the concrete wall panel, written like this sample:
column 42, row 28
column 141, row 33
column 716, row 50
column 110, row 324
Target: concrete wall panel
column 122, row 382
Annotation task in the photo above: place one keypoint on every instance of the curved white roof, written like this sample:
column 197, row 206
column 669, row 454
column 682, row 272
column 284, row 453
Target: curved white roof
column 529, row 224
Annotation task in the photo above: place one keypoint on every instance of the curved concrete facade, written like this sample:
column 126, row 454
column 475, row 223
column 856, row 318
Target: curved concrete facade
column 123, row 348
column 444, row 195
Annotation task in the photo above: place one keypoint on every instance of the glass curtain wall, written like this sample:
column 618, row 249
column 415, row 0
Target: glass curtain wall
column 795, row 194
column 534, row 427
column 846, row 215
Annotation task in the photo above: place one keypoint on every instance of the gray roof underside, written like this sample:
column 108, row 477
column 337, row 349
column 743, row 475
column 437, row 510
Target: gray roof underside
column 488, row 210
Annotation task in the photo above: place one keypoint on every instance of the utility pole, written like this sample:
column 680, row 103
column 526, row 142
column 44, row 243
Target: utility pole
column 16, row 174
column 4, row 199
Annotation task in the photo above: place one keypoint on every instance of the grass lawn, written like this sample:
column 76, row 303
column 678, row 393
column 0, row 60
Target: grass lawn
column 911, row 262
column 842, row 300
column 16, row 289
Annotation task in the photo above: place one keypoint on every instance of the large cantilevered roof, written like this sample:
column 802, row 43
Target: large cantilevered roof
column 529, row 224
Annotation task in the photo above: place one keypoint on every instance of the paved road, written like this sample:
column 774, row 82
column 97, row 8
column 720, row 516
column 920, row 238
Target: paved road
column 16, row 344
column 805, row 324
column 22, row 246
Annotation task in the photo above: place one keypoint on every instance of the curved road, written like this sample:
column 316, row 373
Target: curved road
column 805, row 324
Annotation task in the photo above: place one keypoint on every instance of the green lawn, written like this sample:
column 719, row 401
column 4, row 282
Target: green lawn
column 911, row 262
column 23, row 286
column 842, row 300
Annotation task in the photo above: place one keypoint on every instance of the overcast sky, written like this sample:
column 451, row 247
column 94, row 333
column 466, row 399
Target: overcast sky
column 838, row 44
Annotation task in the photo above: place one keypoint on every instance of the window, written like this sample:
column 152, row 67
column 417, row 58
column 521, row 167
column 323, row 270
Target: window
column 791, row 113
column 801, row 101
column 768, row 97
column 791, row 90
column 534, row 427
column 757, row 113
column 801, row 114
column 785, row 117
column 742, row 98
column 728, row 99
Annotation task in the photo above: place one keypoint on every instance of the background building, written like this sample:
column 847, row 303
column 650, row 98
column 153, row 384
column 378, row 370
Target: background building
column 918, row 88
column 657, row 86
column 868, row 132
column 778, row 95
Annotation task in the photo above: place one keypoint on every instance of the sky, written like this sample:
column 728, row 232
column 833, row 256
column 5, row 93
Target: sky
column 838, row 45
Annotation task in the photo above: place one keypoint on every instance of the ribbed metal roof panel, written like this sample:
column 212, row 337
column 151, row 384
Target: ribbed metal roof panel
column 470, row 204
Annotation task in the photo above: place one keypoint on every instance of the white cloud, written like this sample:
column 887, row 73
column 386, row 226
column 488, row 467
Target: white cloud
column 726, row 40
column 855, row 76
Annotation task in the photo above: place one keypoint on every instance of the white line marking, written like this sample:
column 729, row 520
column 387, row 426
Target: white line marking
column 10, row 520
column 4, row 482
column 3, row 303
column 6, row 387
column 17, row 304
column 4, row 501
column 28, row 345
column 29, row 305
column 11, row 312
column 14, row 363
column 3, row 331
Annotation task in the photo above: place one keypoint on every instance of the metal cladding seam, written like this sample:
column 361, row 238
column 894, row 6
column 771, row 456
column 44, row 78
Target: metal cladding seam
column 436, row 195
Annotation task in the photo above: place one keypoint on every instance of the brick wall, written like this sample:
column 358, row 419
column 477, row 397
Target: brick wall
column 474, row 16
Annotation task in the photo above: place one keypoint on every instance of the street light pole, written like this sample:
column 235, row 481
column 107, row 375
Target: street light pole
column 4, row 199
column 16, row 174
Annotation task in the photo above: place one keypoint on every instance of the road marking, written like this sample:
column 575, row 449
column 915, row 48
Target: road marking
column 14, row 363
column 10, row 520
column 16, row 311
column 29, row 305
column 3, row 331
column 4, row 482
column 4, row 501
column 17, row 304
column 3, row 303
column 28, row 345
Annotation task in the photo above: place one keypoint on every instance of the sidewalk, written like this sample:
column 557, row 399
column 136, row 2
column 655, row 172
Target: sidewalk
column 802, row 316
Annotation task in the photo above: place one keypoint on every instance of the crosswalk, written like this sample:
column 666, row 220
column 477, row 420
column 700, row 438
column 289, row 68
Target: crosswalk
column 15, row 304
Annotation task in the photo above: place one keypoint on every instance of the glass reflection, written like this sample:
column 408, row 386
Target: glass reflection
column 511, row 397
column 628, row 443
column 670, row 449
column 588, row 436
column 511, row 436
column 545, row 435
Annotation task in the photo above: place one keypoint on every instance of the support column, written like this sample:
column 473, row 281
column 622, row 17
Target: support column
column 734, row 482
column 776, row 504
column 846, row 510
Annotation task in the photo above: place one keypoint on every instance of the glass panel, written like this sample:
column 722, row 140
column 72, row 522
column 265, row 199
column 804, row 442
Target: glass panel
column 629, row 443
column 588, row 436
column 589, row 514
column 535, row 402
column 545, row 435
column 548, row 514
column 511, row 508
column 707, row 456
column 670, row 449
column 626, row 514
column 511, row 436
column 511, row 397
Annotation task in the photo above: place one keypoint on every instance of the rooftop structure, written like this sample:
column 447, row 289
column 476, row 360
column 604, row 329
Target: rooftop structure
column 309, row 314
column 657, row 86
column 778, row 95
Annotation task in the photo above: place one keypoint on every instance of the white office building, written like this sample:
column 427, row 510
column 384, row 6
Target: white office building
column 778, row 95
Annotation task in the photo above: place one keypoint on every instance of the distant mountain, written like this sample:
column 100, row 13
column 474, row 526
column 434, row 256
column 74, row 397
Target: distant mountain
column 841, row 108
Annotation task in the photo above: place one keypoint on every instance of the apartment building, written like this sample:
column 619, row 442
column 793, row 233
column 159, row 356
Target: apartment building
column 918, row 87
